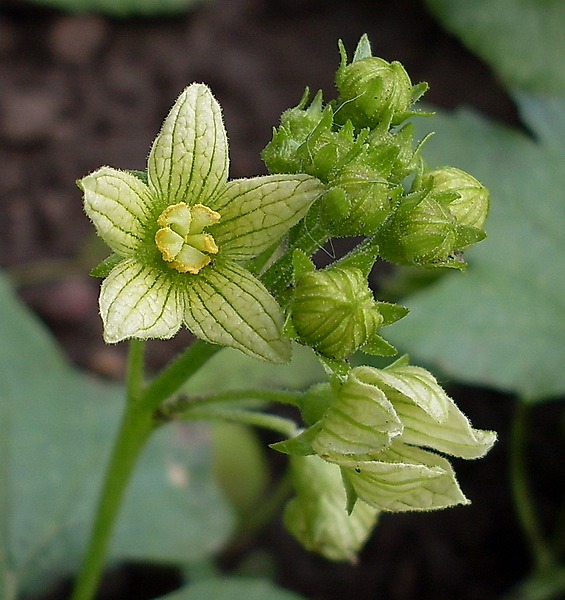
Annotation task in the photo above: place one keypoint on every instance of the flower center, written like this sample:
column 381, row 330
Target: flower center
column 181, row 239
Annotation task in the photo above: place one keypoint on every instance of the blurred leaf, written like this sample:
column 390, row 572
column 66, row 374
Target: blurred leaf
column 523, row 40
column 57, row 427
column 501, row 323
column 232, row 589
column 240, row 465
column 123, row 8
column 232, row 370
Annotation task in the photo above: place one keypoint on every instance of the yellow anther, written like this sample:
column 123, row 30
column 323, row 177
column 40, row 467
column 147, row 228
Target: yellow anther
column 180, row 239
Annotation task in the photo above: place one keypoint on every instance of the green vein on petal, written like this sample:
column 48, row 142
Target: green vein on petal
column 189, row 158
column 228, row 306
column 454, row 436
column 140, row 302
column 118, row 204
column 405, row 478
column 257, row 212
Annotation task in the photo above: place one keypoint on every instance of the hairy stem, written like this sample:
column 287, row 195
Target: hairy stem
column 169, row 380
column 281, row 425
column 180, row 404
column 135, row 429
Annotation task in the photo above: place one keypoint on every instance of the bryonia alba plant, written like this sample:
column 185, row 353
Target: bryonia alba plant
column 231, row 260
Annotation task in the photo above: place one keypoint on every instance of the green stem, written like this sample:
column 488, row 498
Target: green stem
column 134, row 431
column 137, row 424
column 286, row 427
column 182, row 403
column 525, row 507
column 134, row 379
column 176, row 373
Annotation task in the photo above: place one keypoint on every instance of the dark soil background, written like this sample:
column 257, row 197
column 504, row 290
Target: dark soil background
column 77, row 92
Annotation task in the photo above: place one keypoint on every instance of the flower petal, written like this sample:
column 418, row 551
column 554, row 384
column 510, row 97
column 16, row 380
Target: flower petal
column 257, row 212
column 317, row 516
column 137, row 301
column 361, row 420
column 405, row 478
column 414, row 383
column 189, row 158
column 454, row 436
column 118, row 203
column 227, row 305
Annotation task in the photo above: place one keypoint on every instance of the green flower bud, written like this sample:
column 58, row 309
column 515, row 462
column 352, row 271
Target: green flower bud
column 471, row 204
column 317, row 517
column 306, row 141
column 297, row 124
column 368, row 200
column 421, row 233
column 334, row 311
column 372, row 91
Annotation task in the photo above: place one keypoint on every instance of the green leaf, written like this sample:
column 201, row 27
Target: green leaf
column 232, row 588
column 521, row 39
column 57, row 430
column 123, row 8
column 240, row 465
column 501, row 324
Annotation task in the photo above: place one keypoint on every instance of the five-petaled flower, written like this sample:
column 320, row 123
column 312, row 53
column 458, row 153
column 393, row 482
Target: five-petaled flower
column 180, row 235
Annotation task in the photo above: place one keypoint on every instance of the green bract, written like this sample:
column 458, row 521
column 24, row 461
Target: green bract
column 179, row 236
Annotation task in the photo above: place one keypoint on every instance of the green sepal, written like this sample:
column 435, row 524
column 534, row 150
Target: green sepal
column 363, row 49
column 391, row 312
column 288, row 327
column 301, row 264
column 467, row 236
column 103, row 269
column 300, row 445
column 401, row 361
column 378, row 346
column 141, row 175
column 335, row 367
column 351, row 495
column 418, row 91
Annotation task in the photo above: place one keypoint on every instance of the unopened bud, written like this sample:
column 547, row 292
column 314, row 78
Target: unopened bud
column 334, row 311
column 424, row 234
column 372, row 90
column 471, row 205
column 317, row 517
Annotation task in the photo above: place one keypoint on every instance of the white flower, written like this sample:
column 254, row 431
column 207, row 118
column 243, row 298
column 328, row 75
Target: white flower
column 179, row 233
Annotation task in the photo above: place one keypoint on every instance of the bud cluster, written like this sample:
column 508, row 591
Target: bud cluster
column 361, row 147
